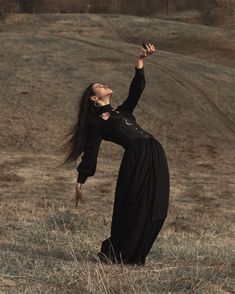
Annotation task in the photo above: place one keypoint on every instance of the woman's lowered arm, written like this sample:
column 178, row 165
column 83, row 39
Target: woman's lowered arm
column 87, row 165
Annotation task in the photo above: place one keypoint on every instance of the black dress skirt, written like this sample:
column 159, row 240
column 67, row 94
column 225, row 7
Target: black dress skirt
column 140, row 204
column 143, row 185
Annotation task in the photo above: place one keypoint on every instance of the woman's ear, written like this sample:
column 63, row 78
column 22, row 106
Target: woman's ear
column 94, row 98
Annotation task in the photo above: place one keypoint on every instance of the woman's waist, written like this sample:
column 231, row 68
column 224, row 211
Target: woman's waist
column 139, row 140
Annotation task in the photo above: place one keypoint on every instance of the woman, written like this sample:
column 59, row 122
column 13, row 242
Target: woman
column 142, row 188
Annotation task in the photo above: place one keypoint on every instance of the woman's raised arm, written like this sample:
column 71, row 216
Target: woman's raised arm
column 135, row 90
column 138, row 82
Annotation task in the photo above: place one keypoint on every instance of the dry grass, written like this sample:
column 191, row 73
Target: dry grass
column 53, row 249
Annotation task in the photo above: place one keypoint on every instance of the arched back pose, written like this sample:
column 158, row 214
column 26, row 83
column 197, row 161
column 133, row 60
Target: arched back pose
column 143, row 183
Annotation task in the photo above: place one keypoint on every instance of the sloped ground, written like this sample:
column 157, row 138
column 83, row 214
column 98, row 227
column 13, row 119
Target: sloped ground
column 188, row 105
column 222, row 17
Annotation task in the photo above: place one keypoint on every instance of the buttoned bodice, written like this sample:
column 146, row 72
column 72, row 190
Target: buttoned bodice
column 121, row 128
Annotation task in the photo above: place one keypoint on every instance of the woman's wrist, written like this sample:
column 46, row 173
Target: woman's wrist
column 140, row 62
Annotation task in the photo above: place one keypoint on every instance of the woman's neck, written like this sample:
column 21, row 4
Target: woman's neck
column 103, row 108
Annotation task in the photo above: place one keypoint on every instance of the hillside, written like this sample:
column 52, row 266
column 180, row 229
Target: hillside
column 188, row 105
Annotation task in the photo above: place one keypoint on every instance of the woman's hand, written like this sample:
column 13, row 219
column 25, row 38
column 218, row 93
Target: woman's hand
column 146, row 52
column 78, row 194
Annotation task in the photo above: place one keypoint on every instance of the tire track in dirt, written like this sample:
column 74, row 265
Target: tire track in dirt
column 172, row 75
column 228, row 123
column 107, row 25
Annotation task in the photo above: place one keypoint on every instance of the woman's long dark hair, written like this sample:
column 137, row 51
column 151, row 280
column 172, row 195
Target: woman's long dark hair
column 75, row 145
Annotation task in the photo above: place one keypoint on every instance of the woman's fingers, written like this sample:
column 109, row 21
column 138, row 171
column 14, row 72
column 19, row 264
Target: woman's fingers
column 149, row 50
column 144, row 50
column 152, row 47
column 76, row 199
column 78, row 195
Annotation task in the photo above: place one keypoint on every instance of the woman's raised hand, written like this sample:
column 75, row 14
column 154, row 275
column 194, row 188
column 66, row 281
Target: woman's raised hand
column 148, row 51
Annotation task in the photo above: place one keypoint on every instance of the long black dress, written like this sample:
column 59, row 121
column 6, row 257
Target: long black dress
column 143, row 184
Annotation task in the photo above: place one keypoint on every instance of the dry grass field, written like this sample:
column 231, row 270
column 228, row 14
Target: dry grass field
column 49, row 246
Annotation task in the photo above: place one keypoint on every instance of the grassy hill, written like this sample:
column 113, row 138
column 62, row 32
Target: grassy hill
column 46, row 61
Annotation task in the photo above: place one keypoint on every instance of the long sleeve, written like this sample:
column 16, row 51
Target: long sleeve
column 87, row 165
column 135, row 90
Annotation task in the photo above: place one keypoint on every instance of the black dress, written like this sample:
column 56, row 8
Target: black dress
column 143, row 184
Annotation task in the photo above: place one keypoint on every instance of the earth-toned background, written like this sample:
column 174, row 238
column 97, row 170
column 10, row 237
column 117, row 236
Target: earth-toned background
column 188, row 104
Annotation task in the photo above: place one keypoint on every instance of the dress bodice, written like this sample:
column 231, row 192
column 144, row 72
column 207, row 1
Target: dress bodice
column 121, row 127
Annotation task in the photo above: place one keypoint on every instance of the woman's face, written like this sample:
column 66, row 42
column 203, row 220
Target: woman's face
column 102, row 90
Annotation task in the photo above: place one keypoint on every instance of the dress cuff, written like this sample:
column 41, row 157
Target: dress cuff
column 81, row 178
column 139, row 70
